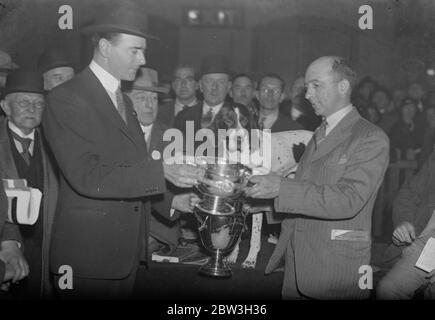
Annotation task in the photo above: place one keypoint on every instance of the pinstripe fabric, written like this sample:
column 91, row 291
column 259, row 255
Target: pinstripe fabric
column 335, row 188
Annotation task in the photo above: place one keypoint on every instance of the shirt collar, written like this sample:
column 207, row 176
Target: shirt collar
column 215, row 109
column 337, row 116
column 181, row 105
column 146, row 129
column 17, row 131
column 109, row 82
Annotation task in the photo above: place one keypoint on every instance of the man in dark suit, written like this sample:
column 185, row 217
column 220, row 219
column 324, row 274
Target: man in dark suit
column 270, row 94
column 164, row 229
column 325, row 239
column 185, row 86
column 106, row 179
column 215, row 83
column 243, row 92
column 23, row 156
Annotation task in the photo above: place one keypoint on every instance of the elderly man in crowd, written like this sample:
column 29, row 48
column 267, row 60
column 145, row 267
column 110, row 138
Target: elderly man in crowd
column 106, row 178
column 326, row 237
column 414, row 225
column 143, row 92
column 23, row 156
column 185, row 86
column 56, row 67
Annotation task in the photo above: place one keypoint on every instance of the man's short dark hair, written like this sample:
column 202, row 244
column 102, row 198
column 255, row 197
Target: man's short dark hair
column 274, row 76
column 185, row 66
column 109, row 36
column 242, row 75
column 342, row 69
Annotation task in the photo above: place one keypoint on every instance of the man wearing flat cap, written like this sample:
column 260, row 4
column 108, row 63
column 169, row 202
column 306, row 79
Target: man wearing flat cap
column 106, row 178
column 56, row 67
column 23, row 156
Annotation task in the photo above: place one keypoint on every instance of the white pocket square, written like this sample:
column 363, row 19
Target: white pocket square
column 342, row 160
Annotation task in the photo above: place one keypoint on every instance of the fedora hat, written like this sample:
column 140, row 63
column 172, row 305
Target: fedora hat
column 22, row 80
column 6, row 61
column 121, row 18
column 54, row 57
column 215, row 64
column 147, row 80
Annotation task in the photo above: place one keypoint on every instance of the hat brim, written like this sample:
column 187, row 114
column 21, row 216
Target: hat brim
column 57, row 64
column 153, row 89
column 9, row 66
column 118, row 29
column 23, row 89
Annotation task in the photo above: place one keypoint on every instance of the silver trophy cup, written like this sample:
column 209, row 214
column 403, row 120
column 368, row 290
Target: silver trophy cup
column 220, row 213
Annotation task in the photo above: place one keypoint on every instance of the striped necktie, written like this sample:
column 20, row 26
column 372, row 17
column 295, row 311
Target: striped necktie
column 121, row 104
column 207, row 119
column 320, row 133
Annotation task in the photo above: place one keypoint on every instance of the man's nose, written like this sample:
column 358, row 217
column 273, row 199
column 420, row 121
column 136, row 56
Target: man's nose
column 141, row 58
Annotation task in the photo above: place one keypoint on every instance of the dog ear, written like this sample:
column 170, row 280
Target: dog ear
column 298, row 151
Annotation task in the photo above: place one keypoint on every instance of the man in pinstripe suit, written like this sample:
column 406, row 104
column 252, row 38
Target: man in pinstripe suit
column 325, row 238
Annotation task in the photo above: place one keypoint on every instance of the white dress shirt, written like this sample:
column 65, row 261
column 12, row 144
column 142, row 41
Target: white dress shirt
column 109, row 82
column 214, row 109
column 336, row 117
column 147, row 132
column 17, row 131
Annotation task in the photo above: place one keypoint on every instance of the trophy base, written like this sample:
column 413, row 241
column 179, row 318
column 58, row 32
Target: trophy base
column 216, row 267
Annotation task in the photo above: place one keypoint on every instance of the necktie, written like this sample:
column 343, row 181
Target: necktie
column 261, row 123
column 25, row 144
column 320, row 133
column 121, row 105
column 185, row 107
column 207, row 118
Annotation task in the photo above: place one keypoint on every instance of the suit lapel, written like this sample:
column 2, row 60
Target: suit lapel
column 8, row 164
column 336, row 136
column 105, row 106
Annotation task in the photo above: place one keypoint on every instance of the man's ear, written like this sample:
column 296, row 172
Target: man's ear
column 5, row 107
column 105, row 47
column 257, row 94
column 343, row 86
column 200, row 86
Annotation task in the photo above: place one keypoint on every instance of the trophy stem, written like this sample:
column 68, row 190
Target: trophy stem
column 216, row 266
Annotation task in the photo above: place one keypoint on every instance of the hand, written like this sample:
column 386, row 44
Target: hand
column 9, row 275
column 185, row 202
column 404, row 234
column 265, row 187
column 183, row 175
column 11, row 254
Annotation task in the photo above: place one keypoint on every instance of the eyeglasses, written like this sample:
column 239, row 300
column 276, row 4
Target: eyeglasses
column 26, row 104
column 266, row 90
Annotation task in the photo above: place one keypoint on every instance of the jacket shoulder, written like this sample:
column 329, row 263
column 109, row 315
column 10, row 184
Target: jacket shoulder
column 366, row 128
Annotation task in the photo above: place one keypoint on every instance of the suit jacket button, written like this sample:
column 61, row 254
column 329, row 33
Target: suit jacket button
column 136, row 208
